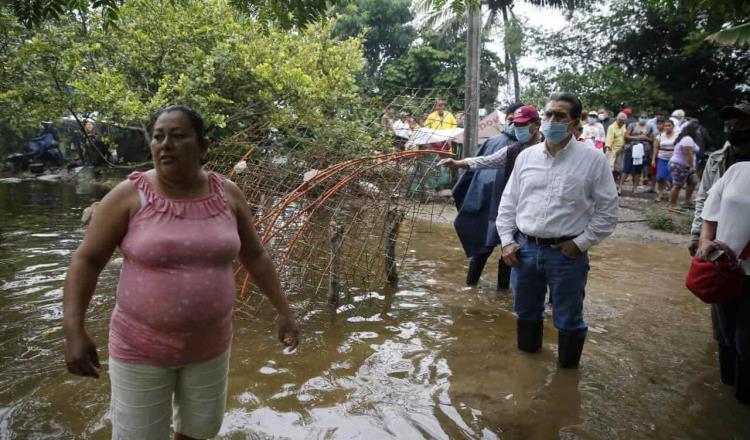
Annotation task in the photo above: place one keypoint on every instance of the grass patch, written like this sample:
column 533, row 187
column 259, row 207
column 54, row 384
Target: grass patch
column 664, row 220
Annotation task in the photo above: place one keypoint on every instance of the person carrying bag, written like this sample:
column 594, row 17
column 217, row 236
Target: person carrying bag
column 717, row 276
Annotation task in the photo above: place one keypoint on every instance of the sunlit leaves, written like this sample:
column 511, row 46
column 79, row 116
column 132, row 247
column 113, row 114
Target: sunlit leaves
column 205, row 54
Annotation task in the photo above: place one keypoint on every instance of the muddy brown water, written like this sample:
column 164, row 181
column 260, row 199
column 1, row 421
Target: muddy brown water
column 429, row 359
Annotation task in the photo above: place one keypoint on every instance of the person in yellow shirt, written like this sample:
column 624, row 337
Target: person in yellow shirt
column 614, row 147
column 440, row 118
column 437, row 120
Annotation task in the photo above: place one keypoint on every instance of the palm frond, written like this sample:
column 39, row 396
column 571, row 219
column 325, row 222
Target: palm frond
column 733, row 36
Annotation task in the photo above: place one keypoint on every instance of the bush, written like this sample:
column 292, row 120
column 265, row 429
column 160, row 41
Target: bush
column 661, row 219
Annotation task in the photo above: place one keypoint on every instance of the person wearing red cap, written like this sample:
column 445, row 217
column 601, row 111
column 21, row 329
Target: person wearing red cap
column 475, row 222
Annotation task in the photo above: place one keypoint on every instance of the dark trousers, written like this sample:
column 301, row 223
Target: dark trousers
column 481, row 258
column 503, row 275
column 734, row 322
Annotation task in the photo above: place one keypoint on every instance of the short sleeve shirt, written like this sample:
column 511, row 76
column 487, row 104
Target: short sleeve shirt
column 728, row 204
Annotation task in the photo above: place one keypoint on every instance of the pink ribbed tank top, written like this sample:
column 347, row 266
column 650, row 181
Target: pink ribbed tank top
column 176, row 292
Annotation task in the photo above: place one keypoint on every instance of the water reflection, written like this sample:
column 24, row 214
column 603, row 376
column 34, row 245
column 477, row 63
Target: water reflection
column 428, row 359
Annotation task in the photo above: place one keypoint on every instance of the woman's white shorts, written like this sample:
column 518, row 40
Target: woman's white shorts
column 147, row 399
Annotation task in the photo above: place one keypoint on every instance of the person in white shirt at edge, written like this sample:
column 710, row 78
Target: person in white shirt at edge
column 560, row 201
column 726, row 226
column 402, row 130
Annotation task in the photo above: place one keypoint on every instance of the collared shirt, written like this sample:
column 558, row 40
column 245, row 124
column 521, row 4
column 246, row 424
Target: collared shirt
column 712, row 172
column 569, row 194
column 616, row 137
column 437, row 122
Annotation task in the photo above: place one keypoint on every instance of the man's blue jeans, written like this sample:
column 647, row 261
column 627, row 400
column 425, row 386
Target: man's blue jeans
column 543, row 266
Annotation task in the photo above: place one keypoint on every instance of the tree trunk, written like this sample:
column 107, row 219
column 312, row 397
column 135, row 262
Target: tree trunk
column 510, row 58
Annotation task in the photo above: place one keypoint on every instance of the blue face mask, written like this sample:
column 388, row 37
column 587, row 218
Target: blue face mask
column 555, row 132
column 523, row 134
column 593, row 119
column 510, row 129
column 643, row 121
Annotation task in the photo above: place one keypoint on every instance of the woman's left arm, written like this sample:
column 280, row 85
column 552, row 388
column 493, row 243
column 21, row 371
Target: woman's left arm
column 259, row 265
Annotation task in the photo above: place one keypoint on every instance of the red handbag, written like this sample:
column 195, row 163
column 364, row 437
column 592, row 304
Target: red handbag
column 717, row 282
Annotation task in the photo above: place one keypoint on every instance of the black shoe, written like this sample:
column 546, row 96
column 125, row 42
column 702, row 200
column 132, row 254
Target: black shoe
column 727, row 360
column 742, row 380
column 529, row 335
column 475, row 271
column 569, row 350
column 503, row 275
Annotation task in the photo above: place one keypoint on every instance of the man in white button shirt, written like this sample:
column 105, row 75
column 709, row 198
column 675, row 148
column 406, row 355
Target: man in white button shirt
column 560, row 200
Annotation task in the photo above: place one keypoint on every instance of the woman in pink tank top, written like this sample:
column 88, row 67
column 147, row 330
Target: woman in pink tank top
column 179, row 228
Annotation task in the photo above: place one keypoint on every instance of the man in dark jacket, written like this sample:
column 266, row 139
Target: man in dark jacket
column 477, row 193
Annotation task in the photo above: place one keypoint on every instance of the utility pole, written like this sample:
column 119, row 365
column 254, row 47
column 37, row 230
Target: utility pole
column 471, row 102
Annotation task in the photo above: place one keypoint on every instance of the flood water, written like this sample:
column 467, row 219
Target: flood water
column 429, row 359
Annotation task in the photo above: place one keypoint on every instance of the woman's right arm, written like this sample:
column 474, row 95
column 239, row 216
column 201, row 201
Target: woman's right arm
column 108, row 225
column 656, row 151
column 706, row 244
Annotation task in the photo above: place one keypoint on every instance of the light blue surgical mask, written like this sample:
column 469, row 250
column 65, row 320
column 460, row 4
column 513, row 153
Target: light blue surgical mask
column 555, row 132
column 510, row 129
column 593, row 119
column 523, row 134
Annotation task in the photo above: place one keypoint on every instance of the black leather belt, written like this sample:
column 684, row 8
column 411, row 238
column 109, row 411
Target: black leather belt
column 547, row 241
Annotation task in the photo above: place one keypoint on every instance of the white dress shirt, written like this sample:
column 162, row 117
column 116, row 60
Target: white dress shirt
column 569, row 194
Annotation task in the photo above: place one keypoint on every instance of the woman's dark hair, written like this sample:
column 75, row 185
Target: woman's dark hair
column 691, row 130
column 575, row 104
column 196, row 121
column 669, row 121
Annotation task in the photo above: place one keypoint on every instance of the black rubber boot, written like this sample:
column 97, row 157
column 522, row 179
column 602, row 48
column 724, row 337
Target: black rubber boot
column 569, row 350
column 529, row 334
column 503, row 275
column 476, row 266
column 727, row 361
column 742, row 381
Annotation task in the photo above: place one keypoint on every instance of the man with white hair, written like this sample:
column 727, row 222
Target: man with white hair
column 678, row 117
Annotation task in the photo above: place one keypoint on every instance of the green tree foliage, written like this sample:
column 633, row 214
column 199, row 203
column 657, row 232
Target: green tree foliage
column 719, row 21
column 596, row 87
column 286, row 13
column 448, row 16
column 384, row 28
column 439, row 64
column 204, row 54
column 608, row 60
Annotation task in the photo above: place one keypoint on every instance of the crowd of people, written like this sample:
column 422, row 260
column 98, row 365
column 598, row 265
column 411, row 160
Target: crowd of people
column 658, row 151
column 541, row 190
